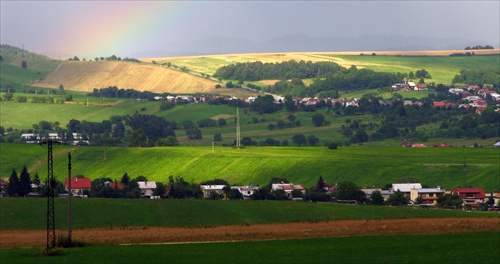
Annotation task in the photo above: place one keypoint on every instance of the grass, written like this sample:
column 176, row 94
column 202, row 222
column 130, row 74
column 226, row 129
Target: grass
column 451, row 248
column 441, row 68
column 27, row 213
column 366, row 166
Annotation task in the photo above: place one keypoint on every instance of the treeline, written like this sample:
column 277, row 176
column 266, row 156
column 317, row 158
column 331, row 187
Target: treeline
column 478, row 77
column 254, row 71
column 115, row 92
column 478, row 47
column 111, row 58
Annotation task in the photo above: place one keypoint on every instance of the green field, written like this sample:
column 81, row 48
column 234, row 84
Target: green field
column 29, row 213
column 441, row 68
column 366, row 166
column 452, row 248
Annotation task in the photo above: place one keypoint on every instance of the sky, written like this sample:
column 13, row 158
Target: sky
column 139, row 29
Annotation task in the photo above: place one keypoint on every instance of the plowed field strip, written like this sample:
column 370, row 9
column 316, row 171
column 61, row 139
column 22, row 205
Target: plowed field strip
column 136, row 235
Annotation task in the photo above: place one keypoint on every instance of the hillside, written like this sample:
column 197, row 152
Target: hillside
column 373, row 166
column 86, row 75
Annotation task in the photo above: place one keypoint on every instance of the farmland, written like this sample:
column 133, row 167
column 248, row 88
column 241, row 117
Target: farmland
column 366, row 166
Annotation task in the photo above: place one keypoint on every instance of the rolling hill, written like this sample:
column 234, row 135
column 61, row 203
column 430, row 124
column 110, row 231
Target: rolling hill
column 152, row 75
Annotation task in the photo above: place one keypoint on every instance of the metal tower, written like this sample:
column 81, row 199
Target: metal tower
column 51, row 184
column 238, row 136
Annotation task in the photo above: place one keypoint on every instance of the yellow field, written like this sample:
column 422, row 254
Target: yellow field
column 86, row 75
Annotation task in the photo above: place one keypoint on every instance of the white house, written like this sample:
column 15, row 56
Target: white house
column 209, row 189
column 147, row 188
column 246, row 191
column 288, row 188
column 405, row 188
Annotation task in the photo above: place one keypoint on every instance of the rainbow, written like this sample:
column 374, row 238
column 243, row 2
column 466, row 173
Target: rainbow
column 118, row 27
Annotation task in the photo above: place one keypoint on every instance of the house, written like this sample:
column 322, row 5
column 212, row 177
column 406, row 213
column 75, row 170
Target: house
column 78, row 186
column 470, row 196
column 116, row 185
column 288, row 188
column 405, row 188
column 147, row 188
column 497, row 144
column 246, row 191
column 429, row 196
column 441, row 145
column 208, row 190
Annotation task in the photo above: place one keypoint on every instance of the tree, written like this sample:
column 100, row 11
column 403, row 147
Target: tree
column 24, row 182
column 24, row 64
column 320, row 185
column 137, row 138
column 312, row 140
column 12, row 188
column 61, row 87
column 159, row 190
column 377, row 198
column 398, row 199
column 222, row 122
column 299, row 139
column 217, row 137
column 318, row 119
column 348, row 190
column 125, row 179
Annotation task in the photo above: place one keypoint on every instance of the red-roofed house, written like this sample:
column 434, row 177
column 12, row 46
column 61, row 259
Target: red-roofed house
column 288, row 188
column 116, row 185
column 470, row 196
column 78, row 186
column 440, row 104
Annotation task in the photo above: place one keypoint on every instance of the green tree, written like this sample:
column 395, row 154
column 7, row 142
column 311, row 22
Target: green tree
column 24, row 182
column 348, row 190
column 299, row 139
column 318, row 119
column 125, row 179
column 320, row 185
column 377, row 198
column 24, row 64
column 222, row 122
column 160, row 189
column 137, row 138
column 397, row 199
column 312, row 140
column 217, row 137
column 12, row 188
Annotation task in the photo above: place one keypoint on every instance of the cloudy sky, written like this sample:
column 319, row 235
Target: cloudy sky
column 63, row 29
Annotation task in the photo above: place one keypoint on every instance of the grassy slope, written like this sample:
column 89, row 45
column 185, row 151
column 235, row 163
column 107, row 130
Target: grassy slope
column 442, row 69
column 378, row 249
column 373, row 166
column 25, row 213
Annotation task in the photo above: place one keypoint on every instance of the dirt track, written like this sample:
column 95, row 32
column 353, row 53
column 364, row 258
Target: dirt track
column 23, row 238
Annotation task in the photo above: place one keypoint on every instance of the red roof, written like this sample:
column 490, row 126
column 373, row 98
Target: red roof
column 115, row 185
column 79, row 183
column 439, row 104
column 475, row 192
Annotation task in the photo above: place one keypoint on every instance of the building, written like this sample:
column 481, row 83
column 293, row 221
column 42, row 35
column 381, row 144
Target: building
column 429, row 196
column 147, row 188
column 288, row 188
column 405, row 188
column 246, row 191
column 209, row 190
column 78, row 186
column 470, row 196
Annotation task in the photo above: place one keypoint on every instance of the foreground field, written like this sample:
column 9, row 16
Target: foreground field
column 442, row 248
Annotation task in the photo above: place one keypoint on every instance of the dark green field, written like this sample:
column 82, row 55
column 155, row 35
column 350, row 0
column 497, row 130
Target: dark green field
column 30, row 213
column 456, row 248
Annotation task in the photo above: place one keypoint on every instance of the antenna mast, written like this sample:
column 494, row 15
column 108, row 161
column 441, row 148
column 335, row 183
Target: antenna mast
column 51, row 184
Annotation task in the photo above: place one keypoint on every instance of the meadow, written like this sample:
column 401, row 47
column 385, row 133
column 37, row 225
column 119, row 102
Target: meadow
column 30, row 213
column 366, row 166
column 451, row 248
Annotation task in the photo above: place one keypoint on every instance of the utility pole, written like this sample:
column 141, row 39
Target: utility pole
column 51, row 182
column 238, row 135
column 69, row 198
